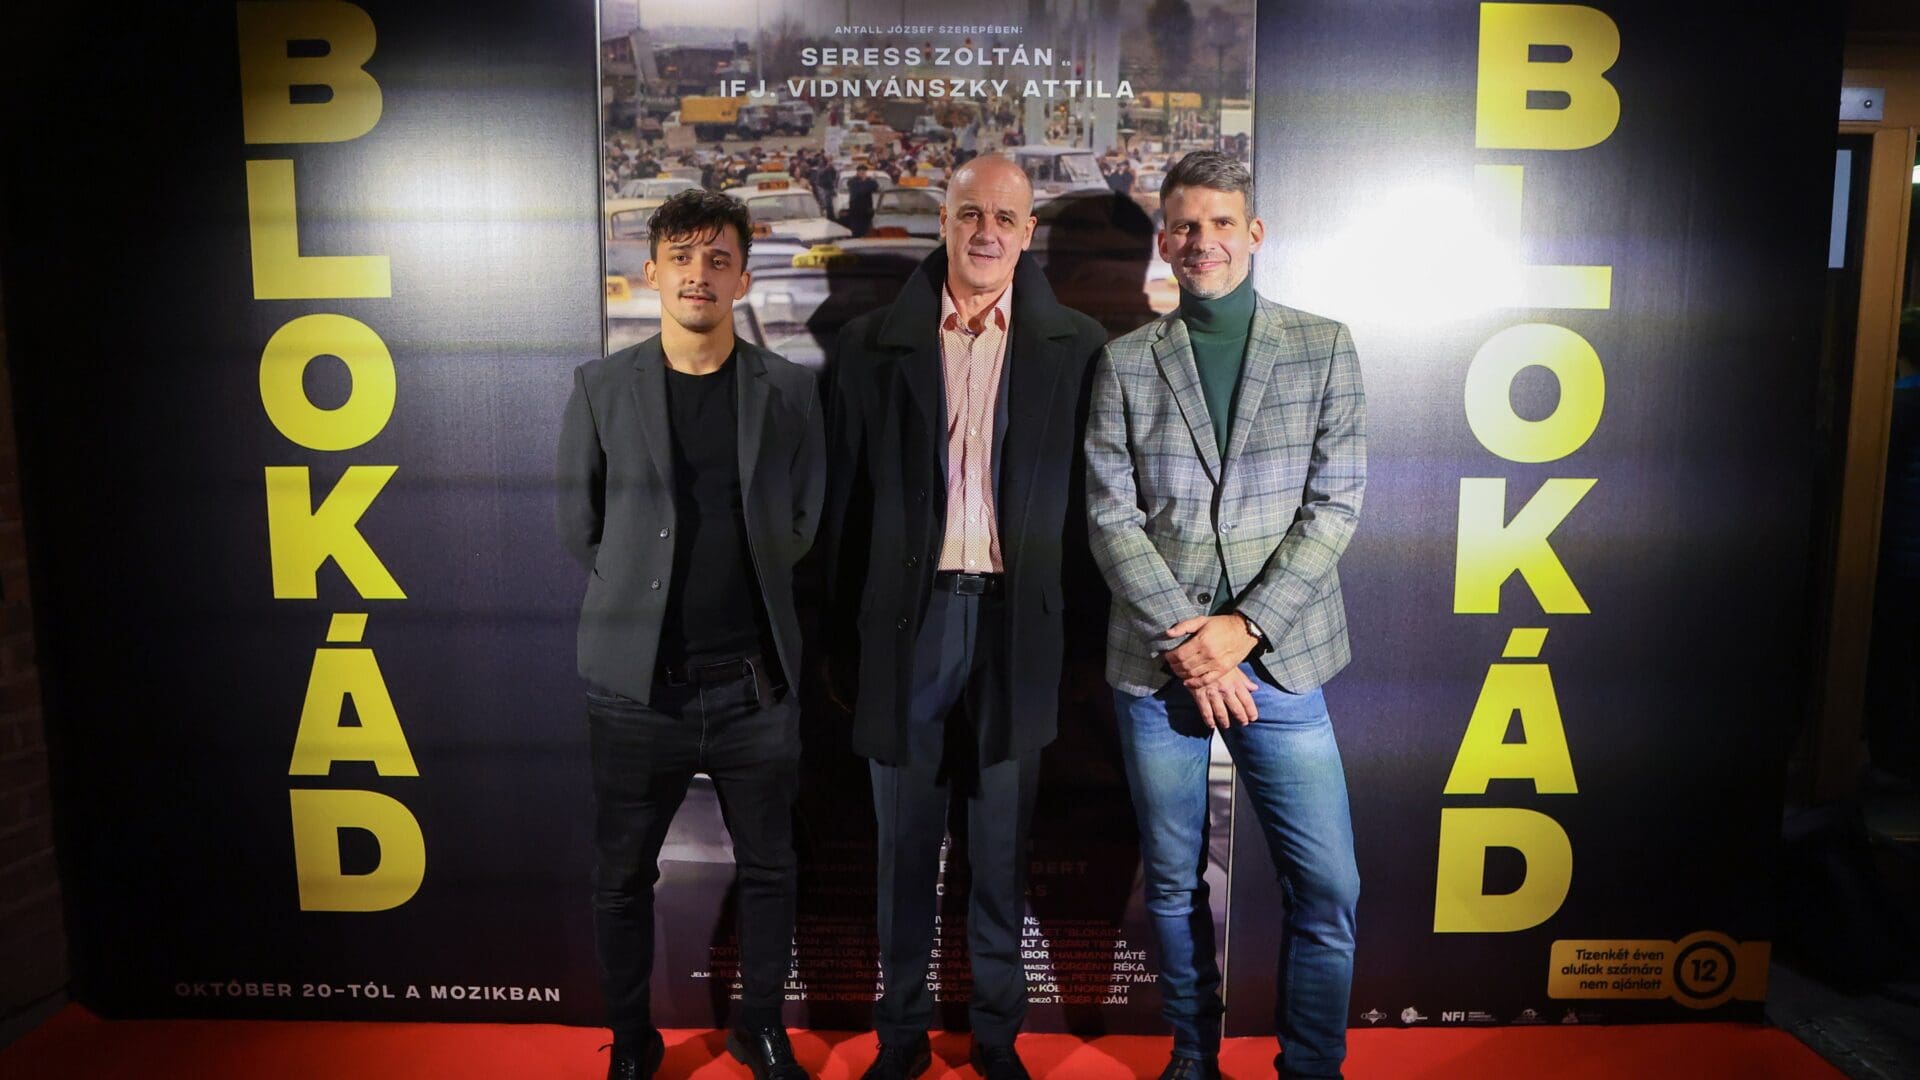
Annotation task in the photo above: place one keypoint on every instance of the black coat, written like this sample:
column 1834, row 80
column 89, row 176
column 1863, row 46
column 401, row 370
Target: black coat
column 860, row 191
column 886, row 506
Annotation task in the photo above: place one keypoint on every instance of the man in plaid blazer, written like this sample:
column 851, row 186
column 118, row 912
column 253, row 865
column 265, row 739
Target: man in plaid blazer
column 1225, row 462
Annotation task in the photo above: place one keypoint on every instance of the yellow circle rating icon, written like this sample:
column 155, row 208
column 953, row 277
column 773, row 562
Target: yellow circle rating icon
column 1703, row 970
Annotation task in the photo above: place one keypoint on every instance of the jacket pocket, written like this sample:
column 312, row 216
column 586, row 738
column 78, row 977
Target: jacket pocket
column 1051, row 598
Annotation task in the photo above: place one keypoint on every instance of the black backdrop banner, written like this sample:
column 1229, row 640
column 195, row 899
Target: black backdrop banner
column 291, row 324
column 1579, row 248
column 293, row 292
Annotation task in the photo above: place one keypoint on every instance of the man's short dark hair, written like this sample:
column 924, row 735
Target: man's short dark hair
column 699, row 213
column 1210, row 169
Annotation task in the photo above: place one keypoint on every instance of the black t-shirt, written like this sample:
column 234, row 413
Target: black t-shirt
column 714, row 609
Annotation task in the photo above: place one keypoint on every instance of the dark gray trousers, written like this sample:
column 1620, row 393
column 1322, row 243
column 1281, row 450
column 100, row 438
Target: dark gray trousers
column 912, row 804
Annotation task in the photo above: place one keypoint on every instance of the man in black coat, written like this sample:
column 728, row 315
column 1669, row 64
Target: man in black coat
column 691, row 476
column 953, row 508
column 860, row 192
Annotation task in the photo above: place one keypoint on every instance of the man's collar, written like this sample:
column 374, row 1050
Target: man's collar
column 950, row 312
column 906, row 323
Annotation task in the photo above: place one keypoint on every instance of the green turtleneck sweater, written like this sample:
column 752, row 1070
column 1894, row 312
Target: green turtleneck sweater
column 1219, row 330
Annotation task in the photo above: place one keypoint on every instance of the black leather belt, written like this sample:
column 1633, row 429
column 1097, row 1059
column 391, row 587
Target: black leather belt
column 708, row 674
column 963, row 584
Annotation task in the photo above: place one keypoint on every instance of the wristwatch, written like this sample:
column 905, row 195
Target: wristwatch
column 1252, row 628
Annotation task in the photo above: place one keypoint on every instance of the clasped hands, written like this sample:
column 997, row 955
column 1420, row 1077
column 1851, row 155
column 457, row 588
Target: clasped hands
column 1208, row 664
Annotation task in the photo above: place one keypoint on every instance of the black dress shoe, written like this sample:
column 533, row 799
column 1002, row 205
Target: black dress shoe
column 1191, row 1068
column 766, row 1051
column 637, row 1062
column 998, row 1063
column 901, row 1061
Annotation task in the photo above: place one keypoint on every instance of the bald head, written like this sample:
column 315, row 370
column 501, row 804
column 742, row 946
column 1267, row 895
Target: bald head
column 986, row 221
column 990, row 169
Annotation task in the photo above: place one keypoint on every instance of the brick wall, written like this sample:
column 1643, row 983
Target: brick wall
column 33, row 939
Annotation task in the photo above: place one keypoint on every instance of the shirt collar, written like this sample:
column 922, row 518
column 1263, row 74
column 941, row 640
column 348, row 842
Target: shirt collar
column 950, row 314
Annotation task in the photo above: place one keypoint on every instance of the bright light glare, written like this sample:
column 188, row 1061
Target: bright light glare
column 1417, row 254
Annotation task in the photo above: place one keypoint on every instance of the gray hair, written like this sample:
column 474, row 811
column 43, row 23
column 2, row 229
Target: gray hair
column 1210, row 169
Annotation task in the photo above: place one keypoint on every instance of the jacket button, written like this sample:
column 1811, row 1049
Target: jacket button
column 900, row 624
column 655, row 584
column 1206, row 598
column 913, row 561
column 663, row 533
column 922, row 495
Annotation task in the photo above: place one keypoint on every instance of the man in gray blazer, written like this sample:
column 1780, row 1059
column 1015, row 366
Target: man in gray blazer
column 1225, row 462
column 691, row 476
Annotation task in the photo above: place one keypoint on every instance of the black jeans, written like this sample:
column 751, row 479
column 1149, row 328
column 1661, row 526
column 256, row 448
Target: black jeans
column 644, row 757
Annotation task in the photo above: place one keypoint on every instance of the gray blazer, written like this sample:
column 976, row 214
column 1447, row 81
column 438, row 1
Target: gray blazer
column 1166, row 514
column 616, row 513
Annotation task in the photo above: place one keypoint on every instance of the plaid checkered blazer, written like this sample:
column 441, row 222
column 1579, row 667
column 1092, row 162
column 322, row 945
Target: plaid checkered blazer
column 1166, row 514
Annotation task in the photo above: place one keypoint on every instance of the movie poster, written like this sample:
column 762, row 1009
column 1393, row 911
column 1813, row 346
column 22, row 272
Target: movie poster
column 780, row 106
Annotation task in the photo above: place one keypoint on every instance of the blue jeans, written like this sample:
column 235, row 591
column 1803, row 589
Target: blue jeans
column 1290, row 766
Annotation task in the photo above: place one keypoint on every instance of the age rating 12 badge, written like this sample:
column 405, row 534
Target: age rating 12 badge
column 1699, row 971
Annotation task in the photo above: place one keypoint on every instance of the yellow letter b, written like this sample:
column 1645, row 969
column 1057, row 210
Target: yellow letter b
column 269, row 73
column 1509, row 75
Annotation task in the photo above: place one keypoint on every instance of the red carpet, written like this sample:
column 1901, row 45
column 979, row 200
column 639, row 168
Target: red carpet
column 76, row 1044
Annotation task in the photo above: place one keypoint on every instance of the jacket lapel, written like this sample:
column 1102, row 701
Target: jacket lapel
column 650, row 396
column 927, row 384
column 1267, row 341
column 1036, row 355
column 1034, row 361
column 756, row 399
column 1173, row 351
column 913, row 326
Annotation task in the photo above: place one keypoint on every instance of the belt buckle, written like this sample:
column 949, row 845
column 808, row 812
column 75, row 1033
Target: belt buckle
column 969, row 584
